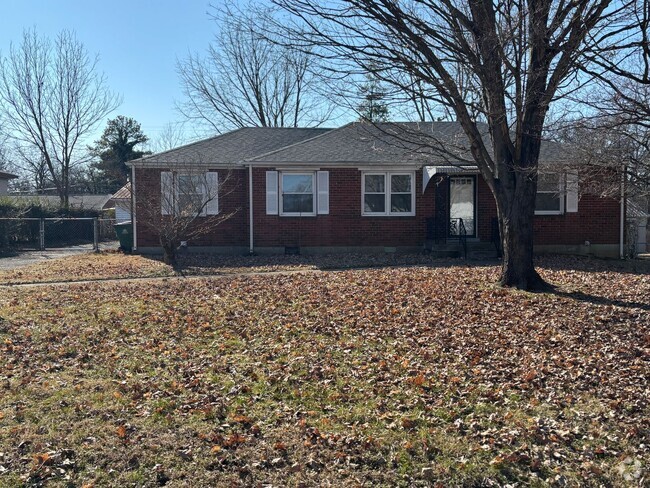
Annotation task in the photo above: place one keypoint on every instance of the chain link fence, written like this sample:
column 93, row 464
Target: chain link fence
column 39, row 234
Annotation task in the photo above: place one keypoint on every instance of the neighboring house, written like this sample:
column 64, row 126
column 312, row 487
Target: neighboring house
column 121, row 202
column 363, row 188
column 85, row 202
column 4, row 182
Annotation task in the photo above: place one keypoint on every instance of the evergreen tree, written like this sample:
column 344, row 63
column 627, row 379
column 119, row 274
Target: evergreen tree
column 115, row 147
column 373, row 107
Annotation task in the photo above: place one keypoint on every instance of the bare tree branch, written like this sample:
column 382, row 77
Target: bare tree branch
column 504, row 62
column 54, row 97
column 245, row 80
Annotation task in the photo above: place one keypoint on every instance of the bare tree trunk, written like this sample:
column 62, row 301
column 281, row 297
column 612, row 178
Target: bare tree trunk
column 516, row 220
column 517, row 268
column 169, row 252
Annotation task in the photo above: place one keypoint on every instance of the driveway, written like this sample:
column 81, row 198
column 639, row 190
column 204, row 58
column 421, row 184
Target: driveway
column 30, row 257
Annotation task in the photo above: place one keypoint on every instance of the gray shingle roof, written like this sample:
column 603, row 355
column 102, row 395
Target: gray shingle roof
column 389, row 143
column 232, row 147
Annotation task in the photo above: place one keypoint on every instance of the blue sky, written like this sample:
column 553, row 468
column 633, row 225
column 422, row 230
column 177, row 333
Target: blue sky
column 138, row 42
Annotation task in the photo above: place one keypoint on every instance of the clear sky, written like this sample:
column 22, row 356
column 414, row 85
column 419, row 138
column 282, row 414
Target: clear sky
column 138, row 42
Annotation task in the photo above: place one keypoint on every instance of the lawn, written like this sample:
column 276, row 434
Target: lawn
column 116, row 265
column 421, row 376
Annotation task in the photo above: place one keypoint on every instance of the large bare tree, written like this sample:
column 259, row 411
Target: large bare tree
column 517, row 56
column 53, row 98
column 248, row 80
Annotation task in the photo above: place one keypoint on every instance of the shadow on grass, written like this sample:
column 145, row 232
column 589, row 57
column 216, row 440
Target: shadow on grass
column 599, row 300
column 592, row 264
column 193, row 264
column 190, row 263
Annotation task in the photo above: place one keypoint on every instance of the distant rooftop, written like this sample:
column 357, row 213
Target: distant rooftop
column 123, row 193
column 7, row 176
column 87, row 202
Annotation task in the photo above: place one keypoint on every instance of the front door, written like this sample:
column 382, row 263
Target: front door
column 462, row 199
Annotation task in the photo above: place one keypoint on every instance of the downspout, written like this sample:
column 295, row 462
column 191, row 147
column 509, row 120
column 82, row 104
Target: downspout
column 621, row 249
column 133, row 221
column 250, row 209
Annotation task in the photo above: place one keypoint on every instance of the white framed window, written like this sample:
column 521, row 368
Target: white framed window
column 388, row 193
column 189, row 194
column 550, row 198
column 374, row 193
column 297, row 195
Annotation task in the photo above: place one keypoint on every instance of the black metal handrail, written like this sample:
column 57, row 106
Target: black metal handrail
column 462, row 236
column 437, row 231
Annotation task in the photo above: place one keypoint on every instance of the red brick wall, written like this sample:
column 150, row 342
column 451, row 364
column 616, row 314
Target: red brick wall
column 487, row 209
column 233, row 197
column 344, row 225
column 596, row 221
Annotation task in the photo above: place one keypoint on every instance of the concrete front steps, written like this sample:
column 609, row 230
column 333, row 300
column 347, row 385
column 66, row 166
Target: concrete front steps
column 452, row 249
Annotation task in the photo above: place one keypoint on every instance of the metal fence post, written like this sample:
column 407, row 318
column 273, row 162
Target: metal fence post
column 41, row 234
column 96, row 234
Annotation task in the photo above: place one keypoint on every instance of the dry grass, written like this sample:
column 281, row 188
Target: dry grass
column 384, row 377
column 114, row 265
column 91, row 266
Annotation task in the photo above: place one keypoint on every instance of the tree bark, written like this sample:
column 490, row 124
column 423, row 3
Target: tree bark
column 516, row 218
column 169, row 253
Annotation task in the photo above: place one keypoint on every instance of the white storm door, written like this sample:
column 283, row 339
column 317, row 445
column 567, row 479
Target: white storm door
column 462, row 204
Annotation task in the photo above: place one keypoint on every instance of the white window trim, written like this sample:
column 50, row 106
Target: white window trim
column 387, row 186
column 314, row 193
column 560, row 192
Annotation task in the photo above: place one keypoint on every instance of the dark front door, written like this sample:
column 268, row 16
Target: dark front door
column 462, row 204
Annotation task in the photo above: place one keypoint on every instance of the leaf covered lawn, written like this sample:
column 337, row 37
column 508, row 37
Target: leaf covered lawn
column 383, row 377
column 90, row 266
column 116, row 265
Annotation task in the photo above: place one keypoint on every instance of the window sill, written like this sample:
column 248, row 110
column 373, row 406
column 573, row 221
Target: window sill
column 548, row 212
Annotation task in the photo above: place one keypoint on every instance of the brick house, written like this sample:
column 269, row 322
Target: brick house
column 362, row 187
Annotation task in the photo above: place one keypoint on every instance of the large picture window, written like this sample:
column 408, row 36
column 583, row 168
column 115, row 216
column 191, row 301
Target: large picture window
column 549, row 199
column 388, row 193
column 297, row 190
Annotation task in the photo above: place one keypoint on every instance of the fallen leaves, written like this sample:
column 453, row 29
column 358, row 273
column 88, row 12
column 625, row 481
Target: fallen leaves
column 121, row 432
column 86, row 267
column 388, row 376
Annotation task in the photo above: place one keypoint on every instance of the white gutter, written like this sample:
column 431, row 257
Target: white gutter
column 133, row 221
column 621, row 248
column 250, row 208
